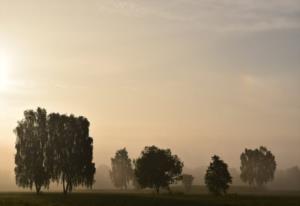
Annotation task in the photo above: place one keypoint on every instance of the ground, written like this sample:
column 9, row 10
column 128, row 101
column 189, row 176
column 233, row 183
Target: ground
column 115, row 199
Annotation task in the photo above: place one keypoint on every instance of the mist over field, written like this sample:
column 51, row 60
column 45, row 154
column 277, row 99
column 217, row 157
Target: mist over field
column 288, row 179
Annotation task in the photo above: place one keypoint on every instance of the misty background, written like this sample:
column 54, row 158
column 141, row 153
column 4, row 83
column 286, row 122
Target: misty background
column 200, row 77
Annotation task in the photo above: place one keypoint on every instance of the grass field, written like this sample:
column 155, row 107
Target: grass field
column 110, row 199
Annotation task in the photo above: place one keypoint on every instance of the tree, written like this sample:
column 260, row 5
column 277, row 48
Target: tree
column 70, row 151
column 217, row 177
column 56, row 147
column 157, row 168
column 121, row 169
column 30, row 157
column 187, row 181
column 257, row 166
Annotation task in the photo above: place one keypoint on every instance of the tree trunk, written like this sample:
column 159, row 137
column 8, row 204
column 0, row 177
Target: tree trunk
column 157, row 189
column 37, row 189
column 67, row 188
column 64, row 186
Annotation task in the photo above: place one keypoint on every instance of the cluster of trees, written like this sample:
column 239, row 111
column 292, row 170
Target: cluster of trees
column 257, row 166
column 53, row 147
column 58, row 148
column 157, row 168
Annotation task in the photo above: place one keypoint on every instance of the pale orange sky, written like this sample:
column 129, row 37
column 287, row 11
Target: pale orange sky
column 200, row 77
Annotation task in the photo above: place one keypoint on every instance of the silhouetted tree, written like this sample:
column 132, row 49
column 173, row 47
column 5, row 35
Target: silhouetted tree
column 157, row 168
column 121, row 169
column 257, row 166
column 30, row 157
column 217, row 177
column 70, row 151
column 187, row 181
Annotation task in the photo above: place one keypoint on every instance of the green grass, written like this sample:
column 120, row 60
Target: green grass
column 114, row 199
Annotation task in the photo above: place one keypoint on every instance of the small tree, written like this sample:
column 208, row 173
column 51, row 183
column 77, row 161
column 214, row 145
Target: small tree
column 257, row 166
column 217, row 178
column 30, row 158
column 187, row 181
column 157, row 168
column 121, row 169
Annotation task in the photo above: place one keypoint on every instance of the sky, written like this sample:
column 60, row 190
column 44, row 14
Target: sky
column 201, row 77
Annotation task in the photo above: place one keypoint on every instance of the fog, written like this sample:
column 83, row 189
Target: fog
column 288, row 179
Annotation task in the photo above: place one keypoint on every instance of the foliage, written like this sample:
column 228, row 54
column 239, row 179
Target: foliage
column 217, row 177
column 187, row 181
column 70, row 151
column 30, row 157
column 56, row 147
column 121, row 173
column 257, row 166
column 157, row 168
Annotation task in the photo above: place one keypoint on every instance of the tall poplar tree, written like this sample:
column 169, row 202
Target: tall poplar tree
column 121, row 169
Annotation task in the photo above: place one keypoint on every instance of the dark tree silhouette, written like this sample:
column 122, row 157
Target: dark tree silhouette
column 187, row 181
column 217, row 177
column 70, row 151
column 257, row 166
column 157, row 168
column 121, row 169
column 30, row 158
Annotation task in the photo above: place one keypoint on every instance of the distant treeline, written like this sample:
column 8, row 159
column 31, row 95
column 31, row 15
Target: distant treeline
column 284, row 179
column 57, row 148
column 157, row 168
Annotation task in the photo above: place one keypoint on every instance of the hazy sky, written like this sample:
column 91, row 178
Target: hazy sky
column 201, row 77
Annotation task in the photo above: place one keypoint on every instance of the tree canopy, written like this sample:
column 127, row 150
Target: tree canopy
column 54, row 147
column 257, row 166
column 157, row 168
column 121, row 169
column 217, row 177
column 30, row 157
column 71, row 150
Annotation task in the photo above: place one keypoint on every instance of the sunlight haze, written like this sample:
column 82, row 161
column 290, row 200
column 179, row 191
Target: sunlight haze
column 200, row 77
